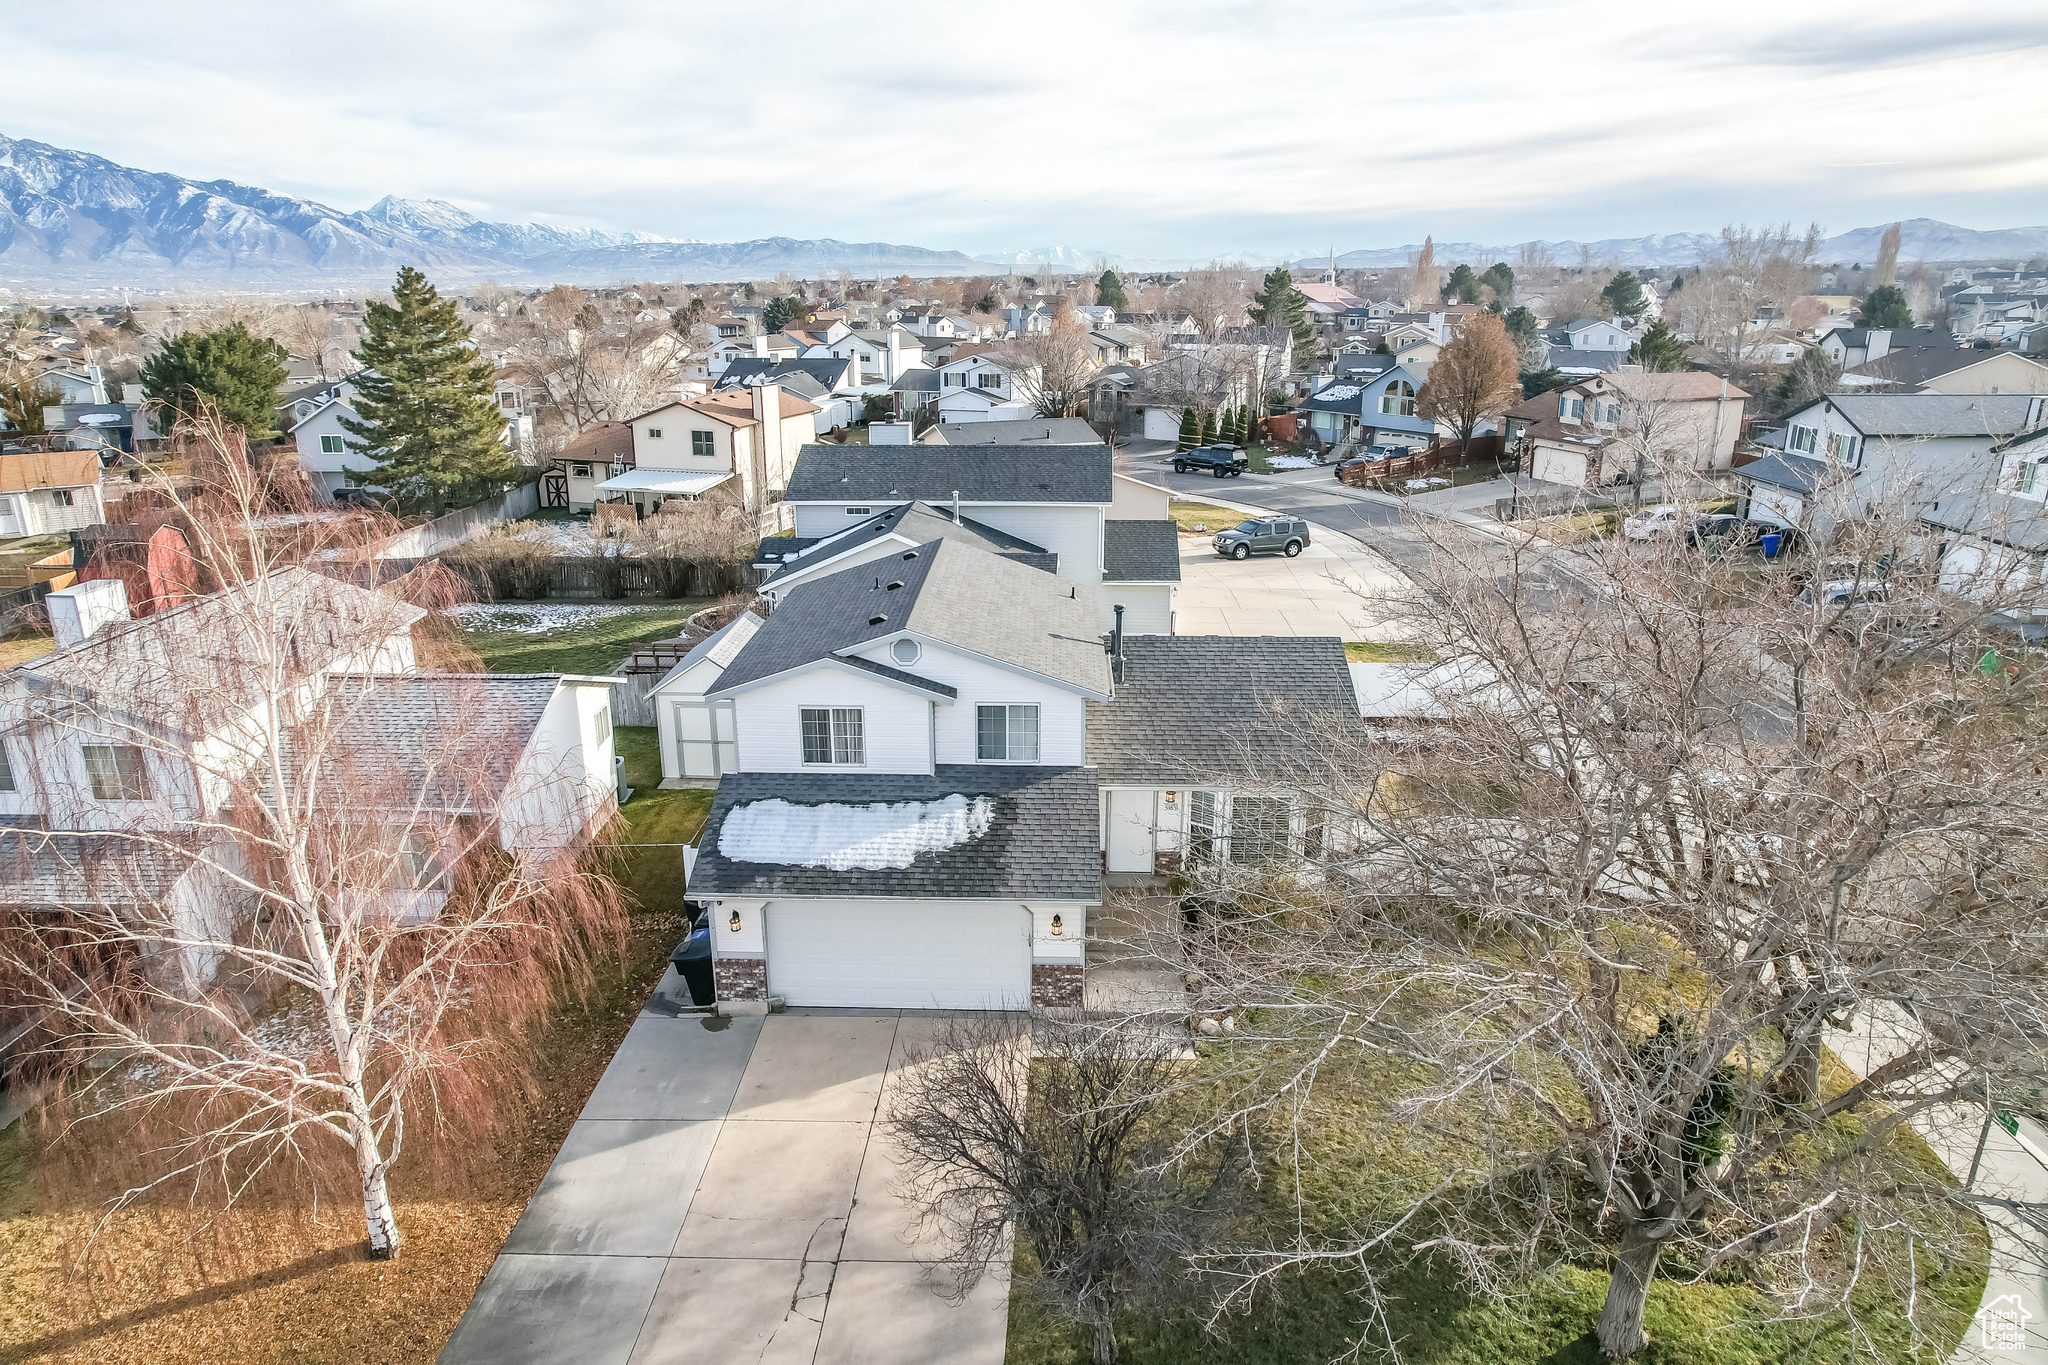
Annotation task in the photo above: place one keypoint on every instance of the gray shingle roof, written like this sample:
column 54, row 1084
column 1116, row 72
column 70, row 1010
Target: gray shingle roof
column 1042, row 842
column 1194, row 708
column 822, row 371
column 1794, row 472
column 73, row 869
column 950, row 591
column 921, row 522
column 1919, row 364
column 1140, row 552
column 449, row 739
column 1023, row 431
column 1933, row 414
column 1034, row 473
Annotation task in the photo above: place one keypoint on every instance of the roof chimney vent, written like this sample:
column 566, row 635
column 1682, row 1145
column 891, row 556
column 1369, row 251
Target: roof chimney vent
column 1116, row 647
column 876, row 620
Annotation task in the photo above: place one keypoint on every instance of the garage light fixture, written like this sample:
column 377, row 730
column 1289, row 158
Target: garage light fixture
column 1059, row 926
column 734, row 923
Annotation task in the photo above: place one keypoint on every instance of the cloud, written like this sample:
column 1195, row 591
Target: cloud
column 1187, row 129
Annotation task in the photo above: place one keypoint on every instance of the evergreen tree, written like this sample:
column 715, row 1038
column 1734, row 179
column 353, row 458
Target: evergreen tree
column 1190, row 429
column 1205, row 428
column 424, row 396
column 1463, row 286
column 1383, row 348
column 1244, row 424
column 1501, row 279
column 1804, row 380
column 1109, row 292
column 1624, row 293
column 227, row 369
column 1542, row 381
column 1279, row 304
column 1885, row 306
column 1660, row 349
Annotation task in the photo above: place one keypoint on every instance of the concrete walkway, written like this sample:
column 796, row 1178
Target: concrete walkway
column 2012, row 1326
column 727, row 1195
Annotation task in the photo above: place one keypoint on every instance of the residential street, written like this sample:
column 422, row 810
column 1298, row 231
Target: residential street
column 726, row 1196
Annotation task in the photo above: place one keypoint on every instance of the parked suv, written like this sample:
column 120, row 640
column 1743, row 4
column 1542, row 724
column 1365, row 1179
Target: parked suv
column 1286, row 535
column 1223, row 461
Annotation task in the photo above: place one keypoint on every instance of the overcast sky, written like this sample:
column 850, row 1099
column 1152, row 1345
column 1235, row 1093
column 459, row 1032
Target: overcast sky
column 1176, row 129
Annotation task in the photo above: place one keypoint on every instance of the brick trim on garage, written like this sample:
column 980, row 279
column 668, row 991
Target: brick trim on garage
column 1056, row 985
column 741, row 978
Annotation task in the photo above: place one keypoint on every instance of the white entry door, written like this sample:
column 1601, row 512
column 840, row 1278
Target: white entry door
column 10, row 517
column 1130, row 830
column 963, row 955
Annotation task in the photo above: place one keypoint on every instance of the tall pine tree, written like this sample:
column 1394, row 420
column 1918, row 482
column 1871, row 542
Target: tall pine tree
column 1279, row 304
column 425, row 399
column 1109, row 292
column 1190, row 429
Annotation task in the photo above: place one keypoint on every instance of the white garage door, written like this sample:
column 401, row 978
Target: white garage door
column 1775, row 504
column 900, row 954
column 1162, row 424
column 1560, row 466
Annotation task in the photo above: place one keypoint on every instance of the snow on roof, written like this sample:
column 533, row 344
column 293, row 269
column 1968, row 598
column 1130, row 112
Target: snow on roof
column 842, row 837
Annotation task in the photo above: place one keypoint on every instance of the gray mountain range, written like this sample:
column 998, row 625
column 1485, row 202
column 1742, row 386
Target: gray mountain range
column 1920, row 239
column 74, row 218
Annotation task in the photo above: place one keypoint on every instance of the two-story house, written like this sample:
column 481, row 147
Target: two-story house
column 1100, row 529
column 983, row 384
column 1843, row 453
column 933, row 758
column 687, row 448
column 833, row 385
column 883, row 356
column 1609, row 427
column 1375, row 407
column 139, row 736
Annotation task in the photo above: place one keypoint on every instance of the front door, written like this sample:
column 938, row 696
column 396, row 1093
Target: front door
column 1130, row 831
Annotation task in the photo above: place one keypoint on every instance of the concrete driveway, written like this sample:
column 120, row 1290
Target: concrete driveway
column 727, row 1195
column 1316, row 593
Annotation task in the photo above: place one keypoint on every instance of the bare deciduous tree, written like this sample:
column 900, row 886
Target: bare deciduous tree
column 1054, row 1133
column 1663, row 835
column 283, row 929
column 1722, row 301
column 1475, row 379
column 1053, row 368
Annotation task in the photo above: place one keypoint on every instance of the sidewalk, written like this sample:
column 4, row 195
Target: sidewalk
column 2007, row 1170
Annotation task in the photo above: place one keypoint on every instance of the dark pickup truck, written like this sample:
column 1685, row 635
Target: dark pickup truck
column 1222, row 461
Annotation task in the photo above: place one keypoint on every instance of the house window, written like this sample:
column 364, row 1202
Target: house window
column 415, row 866
column 580, row 471
column 1201, row 825
column 905, row 651
column 703, row 443
column 835, row 736
column 956, row 381
column 654, row 432
column 1571, row 408
column 1006, row 734
column 1258, row 828
column 1399, row 398
column 1842, row 446
column 331, row 445
column 602, row 724
column 116, row 772
column 508, row 401
column 1803, row 439
column 859, row 511
column 6, row 771
column 989, row 379
column 60, row 497
column 2030, row 482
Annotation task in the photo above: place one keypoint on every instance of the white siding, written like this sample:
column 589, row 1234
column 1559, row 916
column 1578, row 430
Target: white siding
column 897, row 723
column 1135, row 500
column 1148, row 607
column 1072, row 532
column 1062, row 716
column 563, row 782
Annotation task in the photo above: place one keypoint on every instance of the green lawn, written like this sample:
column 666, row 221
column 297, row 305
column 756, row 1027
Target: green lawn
column 517, row 637
column 657, row 822
column 1386, row 652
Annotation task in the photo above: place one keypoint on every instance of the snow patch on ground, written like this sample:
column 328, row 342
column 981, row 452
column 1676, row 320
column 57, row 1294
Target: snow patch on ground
column 1289, row 462
column 536, row 618
column 842, row 837
column 1423, row 485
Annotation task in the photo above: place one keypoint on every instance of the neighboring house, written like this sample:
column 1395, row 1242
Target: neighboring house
column 1950, row 369
column 914, row 391
column 105, row 427
column 79, row 767
column 883, row 357
column 1057, row 498
column 978, row 405
column 1369, row 410
column 929, row 771
column 1850, row 347
column 323, row 446
column 1842, row 453
column 1567, row 361
column 687, row 448
column 1599, row 430
column 1590, row 334
column 1994, row 317
column 597, row 453
column 47, row 491
column 1996, row 540
column 832, row 385
column 82, row 385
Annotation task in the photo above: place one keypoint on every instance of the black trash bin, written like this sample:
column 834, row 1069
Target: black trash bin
column 693, row 962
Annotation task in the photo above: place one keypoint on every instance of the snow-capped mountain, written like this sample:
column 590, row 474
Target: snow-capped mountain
column 1063, row 260
column 72, row 217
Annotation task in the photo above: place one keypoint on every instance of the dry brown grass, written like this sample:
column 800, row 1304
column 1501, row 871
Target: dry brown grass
column 21, row 648
column 282, row 1282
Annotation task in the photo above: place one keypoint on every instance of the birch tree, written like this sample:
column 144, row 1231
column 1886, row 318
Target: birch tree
column 261, row 918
